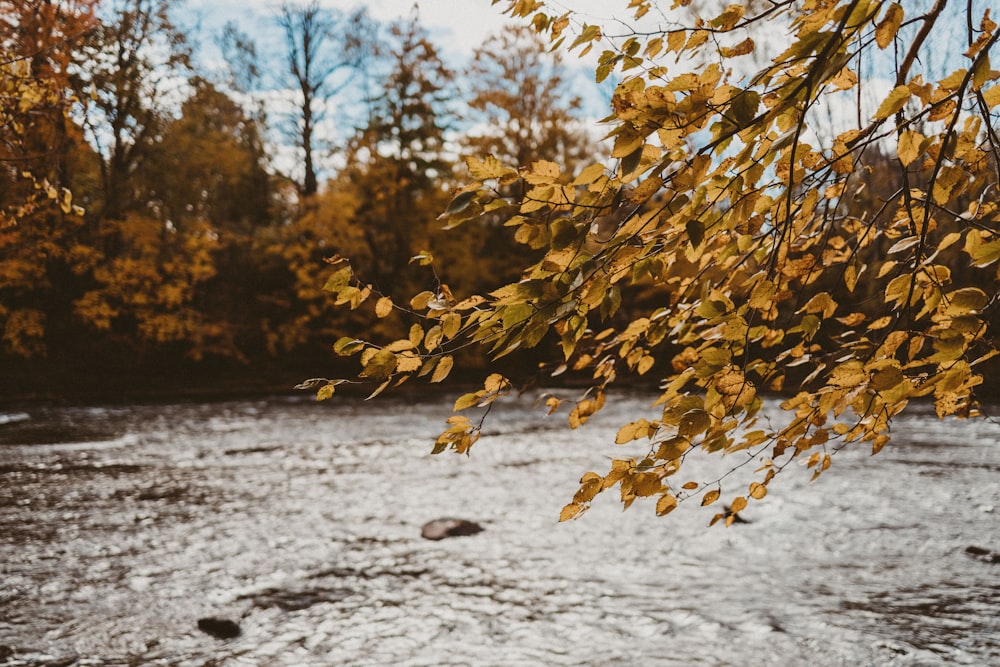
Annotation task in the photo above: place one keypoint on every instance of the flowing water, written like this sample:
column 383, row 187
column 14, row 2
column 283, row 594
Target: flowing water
column 122, row 526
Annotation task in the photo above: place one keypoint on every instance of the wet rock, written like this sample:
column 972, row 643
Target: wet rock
column 984, row 555
column 448, row 527
column 220, row 628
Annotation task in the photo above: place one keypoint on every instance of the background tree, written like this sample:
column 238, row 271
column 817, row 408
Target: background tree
column 41, row 153
column 397, row 163
column 323, row 48
column 209, row 172
column 135, row 60
column 523, row 109
column 745, row 220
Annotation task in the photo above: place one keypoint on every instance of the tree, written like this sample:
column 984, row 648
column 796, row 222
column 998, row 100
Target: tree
column 522, row 112
column 322, row 48
column 40, row 224
column 397, row 163
column 207, row 174
column 748, row 225
column 523, row 108
column 135, row 60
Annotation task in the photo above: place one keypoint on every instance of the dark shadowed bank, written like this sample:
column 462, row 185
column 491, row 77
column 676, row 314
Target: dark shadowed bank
column 103, row 377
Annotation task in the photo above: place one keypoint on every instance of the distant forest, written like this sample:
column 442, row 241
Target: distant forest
column 168, row 227
column 153, row 240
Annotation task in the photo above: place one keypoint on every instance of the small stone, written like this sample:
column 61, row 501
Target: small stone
column 220, row 628
column 984, row 555
column 448, row 527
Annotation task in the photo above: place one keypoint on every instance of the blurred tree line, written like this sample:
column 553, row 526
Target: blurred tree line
column 150, row 231
column 149, row 234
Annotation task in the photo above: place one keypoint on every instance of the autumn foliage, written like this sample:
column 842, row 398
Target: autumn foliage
column 819, row 221
column 797, row 198
column 147, row 229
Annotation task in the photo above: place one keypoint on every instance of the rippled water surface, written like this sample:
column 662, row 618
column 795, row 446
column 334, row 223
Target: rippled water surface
column 120, row 527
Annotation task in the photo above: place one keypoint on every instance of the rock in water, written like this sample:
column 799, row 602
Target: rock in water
column 220, row 628
column 984, row 555
column 442, row 528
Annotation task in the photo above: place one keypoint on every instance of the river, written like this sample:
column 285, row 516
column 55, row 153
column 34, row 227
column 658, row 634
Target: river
column 122, row 526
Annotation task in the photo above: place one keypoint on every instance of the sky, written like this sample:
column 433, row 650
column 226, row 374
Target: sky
column 458, row 26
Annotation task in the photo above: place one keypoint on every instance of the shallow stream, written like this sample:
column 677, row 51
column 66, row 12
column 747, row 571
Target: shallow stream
column 121, row 526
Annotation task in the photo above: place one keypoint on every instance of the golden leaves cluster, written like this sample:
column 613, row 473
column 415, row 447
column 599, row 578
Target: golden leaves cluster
column 768, row 268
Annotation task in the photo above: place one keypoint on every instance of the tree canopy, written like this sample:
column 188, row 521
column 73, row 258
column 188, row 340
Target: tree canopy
column 162, row 217
column 798, row 197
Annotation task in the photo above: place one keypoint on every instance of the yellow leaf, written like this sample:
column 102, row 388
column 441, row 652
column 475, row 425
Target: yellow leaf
column 728, row 19
column 400, row 345
column 420, row 301
column 953, row 80
column 672, row 448
column 666, row 504
column 710, row 497
column 645, row 364
column 443, row 368
column 849, row 374
column 542, row 172
column 991, row 96
column 852, row 320
column 908, row 147
column 982, row 254
column 692, row 423
column 467, row 401
column 632, row 431
column 887, row 28
column 380, row 365
column 407, row 362
column 571, row 511
column 762, row 295
column 894, row 102
column 590, row 174
column 851, row 276
column 676, row 40
column 450, row 324
column 698, row 37
column 495, row 383
column 738, row 505
column 966, row 300
column 646, row 484
column 898, row 289
column 757, row 490
column 887, row 378
column 486, row 169
column 66, row 201
column 423, row 258
column 383, row 307
column 741, row 49
column 416, row 334
column 325, row 392
column 821, row 303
